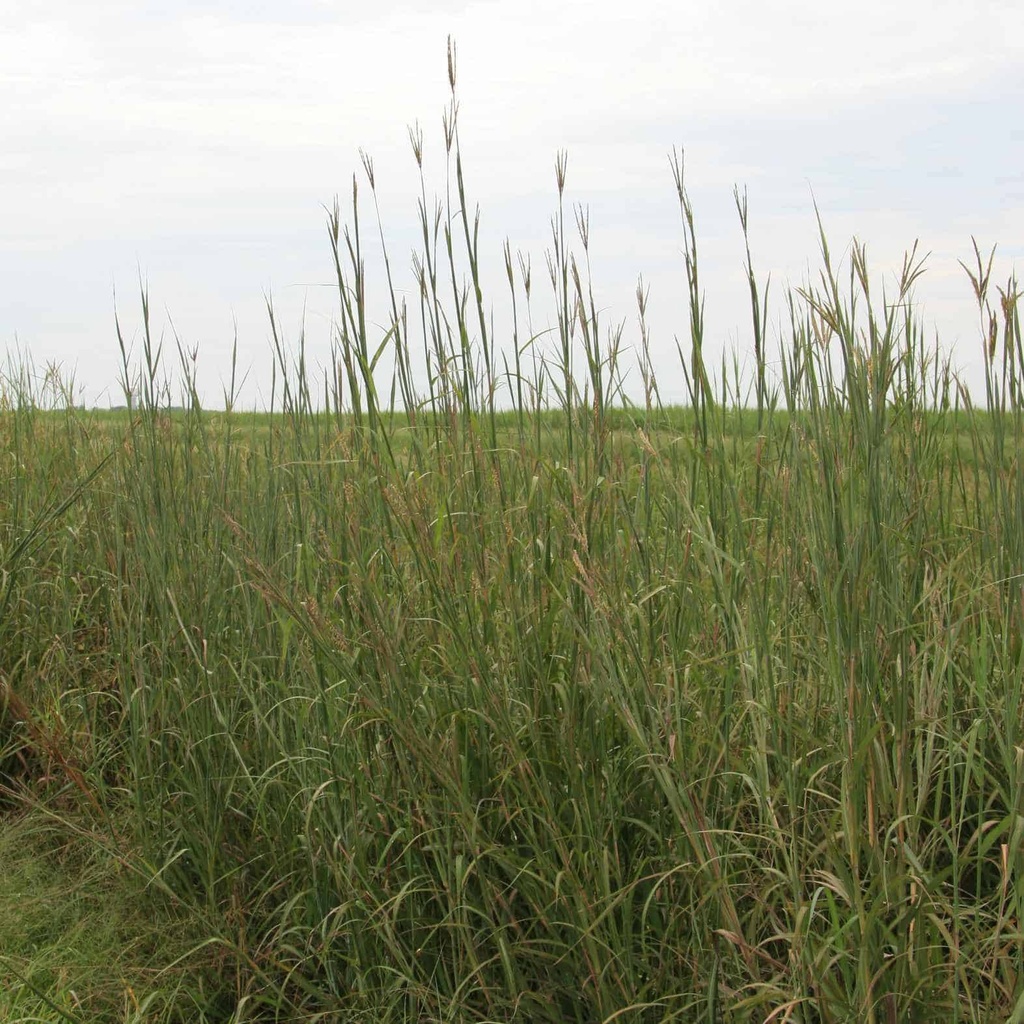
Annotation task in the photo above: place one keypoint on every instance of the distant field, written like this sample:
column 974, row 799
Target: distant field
column 576, row 712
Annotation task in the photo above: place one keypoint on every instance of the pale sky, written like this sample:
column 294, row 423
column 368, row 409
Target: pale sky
column 199, row 147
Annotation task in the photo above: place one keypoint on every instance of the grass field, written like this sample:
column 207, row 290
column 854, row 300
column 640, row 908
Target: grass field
column 527, row 703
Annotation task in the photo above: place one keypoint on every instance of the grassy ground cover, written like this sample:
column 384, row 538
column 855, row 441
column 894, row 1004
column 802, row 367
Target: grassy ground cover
column 80, row 939
column 579, row 711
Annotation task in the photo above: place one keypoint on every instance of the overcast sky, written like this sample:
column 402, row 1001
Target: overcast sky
column 199, row 147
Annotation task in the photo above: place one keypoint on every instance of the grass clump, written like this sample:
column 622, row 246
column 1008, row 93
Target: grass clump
column 583, row 710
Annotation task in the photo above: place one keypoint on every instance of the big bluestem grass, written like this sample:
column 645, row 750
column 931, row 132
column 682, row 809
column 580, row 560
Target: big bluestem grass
column 585, row 710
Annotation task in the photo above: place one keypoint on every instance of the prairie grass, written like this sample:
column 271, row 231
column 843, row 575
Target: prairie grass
column 79, row 941
column 487, row 694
